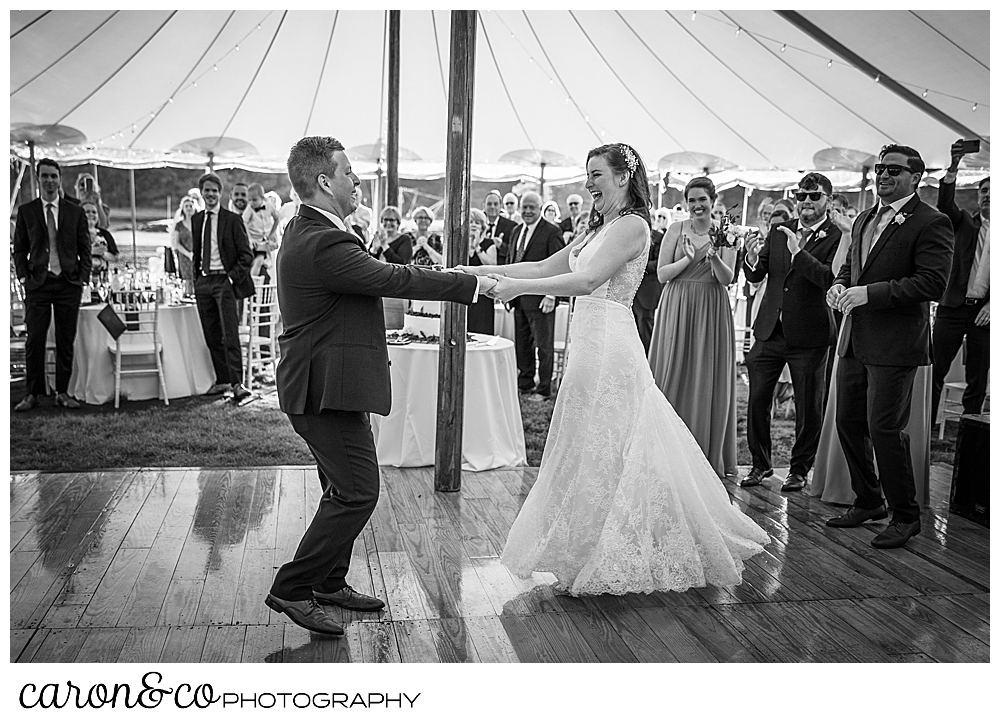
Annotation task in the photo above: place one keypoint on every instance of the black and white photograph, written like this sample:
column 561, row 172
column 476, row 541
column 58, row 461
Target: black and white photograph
column 556, row 335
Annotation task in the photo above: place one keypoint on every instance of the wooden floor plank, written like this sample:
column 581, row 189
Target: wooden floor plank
column 61, row 646
column 263, row 644
column 720, row 639
column 569, row 644
column 19, row 641
column 146, row 525
column 180, row 604
column 490, row 639
column 103, row 645
column 184, row 644
column 416, row 641
column 681, row 642
column 956, row 614
column 529, row 640
column 115, row 587
column 20, row 564
column 378, row 642
column 939, row 638
column 638, row 636
column 143, row 645
column 224, row 644
column 262, row 525
column 256, row 575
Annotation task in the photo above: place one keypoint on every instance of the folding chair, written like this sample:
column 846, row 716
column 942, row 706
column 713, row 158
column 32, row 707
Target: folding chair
column 258, row 332
column 140, row 311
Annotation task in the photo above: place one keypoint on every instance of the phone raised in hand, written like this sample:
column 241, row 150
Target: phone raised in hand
column 970, row 147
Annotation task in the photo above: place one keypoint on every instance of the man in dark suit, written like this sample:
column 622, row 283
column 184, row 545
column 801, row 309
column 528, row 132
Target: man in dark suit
column 647, row 297
column 52, row 261
column 534, row 317
column 498, row 227
column 793, row 327
column 964, row 310
column 898, row 263
column 222, row 260
column 334, row 371
column 574, row 202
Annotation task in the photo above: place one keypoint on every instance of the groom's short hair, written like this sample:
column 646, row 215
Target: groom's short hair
column 308, row 158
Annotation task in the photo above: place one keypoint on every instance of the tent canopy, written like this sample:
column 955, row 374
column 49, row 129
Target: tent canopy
column 139, row 83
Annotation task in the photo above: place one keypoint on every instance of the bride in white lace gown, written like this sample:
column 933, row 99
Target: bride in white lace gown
column 625, row 500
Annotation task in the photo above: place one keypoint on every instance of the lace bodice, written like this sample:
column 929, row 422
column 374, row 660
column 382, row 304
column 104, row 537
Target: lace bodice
column 623, row 284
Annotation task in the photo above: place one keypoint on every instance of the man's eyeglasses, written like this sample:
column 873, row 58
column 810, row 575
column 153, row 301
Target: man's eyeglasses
column 892, row 169
column 389, row 220
column 811, row 195
column 574, row 203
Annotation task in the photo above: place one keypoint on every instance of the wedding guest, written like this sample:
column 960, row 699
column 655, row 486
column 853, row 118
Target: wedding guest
column 86, row 188
column 793, row 327
column 718, row 210
column 964, row 310
column 647, row 296
column 52, row 258
column 103, row 249
column 550, row 212
column 498, row 227
column 222, row 258
column 428, row 248
column 899, row 261
column 510, row 204
column 482, row 252
column 261, row 221
column 534, row 316
column 574, row 202
column 662, row 219
column 388, row 244
column 238, row 198
column 692, row 353
column 182, row 243
column 361, row 221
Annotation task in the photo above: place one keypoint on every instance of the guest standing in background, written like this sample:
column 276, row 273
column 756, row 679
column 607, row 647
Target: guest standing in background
column 964, row 310
column 692, row 353
column 550, row 212
column 182, row 242
column 482, row 252
column 574, row 202
column 103, row 249
column 498, row 227
column 428, row 248
column 52, row 260
column 647, row 297
column 388, row 244
column 510, row 203
column 794, row 327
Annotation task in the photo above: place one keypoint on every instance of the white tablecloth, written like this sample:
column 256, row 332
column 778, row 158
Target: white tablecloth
column 187, row 365
column 493, row 436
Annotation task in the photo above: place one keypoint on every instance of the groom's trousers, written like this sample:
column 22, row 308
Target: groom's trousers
column 344, row 449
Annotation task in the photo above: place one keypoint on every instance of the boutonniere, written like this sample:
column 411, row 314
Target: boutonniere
column 899, row 218
column 821, row 235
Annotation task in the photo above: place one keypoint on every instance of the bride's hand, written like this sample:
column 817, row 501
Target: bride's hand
column 505, row 289
column 474, row 270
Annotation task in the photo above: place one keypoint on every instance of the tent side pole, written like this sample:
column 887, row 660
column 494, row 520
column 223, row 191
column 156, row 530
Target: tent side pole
column 458, row 177
column 131, row 189
column 392, row 134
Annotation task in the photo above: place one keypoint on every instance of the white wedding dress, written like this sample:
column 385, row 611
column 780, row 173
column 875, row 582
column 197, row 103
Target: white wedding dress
column 625, row 500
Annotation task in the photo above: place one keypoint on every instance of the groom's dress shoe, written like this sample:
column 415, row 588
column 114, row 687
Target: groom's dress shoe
column 755, row 477
column 896, row 535
column 857, row 516
column 29, row 402
column 793, row 483
column 306, row 614
column 348, row 597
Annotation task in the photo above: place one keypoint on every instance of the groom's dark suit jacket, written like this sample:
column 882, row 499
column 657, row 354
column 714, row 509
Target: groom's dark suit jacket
column 906, row 269
column 333, row 350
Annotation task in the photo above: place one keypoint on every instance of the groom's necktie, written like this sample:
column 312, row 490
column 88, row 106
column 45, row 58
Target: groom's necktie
column 868, row 238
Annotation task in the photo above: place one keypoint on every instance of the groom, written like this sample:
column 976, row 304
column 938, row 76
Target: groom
column 334, row 370
column 898, row 263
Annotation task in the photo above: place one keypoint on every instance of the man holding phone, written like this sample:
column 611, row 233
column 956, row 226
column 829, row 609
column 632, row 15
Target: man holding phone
column 964, row 310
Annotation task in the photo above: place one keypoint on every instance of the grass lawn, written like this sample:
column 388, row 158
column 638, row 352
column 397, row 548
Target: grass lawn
column 208, row 432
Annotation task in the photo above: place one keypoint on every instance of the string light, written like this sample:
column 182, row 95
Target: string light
column 974, row 106
column 924, row 94
column 738, row 31
column 878, row 78
column 783, row 46
column 830, row 63
column 694, row 15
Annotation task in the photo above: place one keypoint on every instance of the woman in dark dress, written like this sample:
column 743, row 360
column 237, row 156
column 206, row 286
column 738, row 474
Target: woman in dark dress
column 428, row 248
column 482, row 252
column 103, row 250
column 389, row 244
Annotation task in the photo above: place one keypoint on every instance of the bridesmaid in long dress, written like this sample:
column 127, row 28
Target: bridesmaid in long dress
column 693, row 353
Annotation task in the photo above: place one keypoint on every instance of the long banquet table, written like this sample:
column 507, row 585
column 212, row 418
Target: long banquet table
column 493, row 435
column 187, row 365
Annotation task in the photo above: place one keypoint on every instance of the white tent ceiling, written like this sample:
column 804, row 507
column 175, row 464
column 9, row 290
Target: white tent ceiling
column 562, row 81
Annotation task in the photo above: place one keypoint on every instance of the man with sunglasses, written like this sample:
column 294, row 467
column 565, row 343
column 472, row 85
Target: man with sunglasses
column 964, row 310
column 793, row 327
column 898, row 263
column 574, row 202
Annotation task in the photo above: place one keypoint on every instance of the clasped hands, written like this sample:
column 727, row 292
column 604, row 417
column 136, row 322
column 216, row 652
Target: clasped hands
column 846, row 300
column 493, row 285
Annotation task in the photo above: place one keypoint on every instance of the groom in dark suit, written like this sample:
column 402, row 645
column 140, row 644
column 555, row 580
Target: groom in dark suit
column 794, row 327
column 52, row 261
column 334, row 370
column 900, row 256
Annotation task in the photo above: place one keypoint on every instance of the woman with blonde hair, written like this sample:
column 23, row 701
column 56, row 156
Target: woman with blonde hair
column 388, row 244
column 182, row 242
column 428, row 248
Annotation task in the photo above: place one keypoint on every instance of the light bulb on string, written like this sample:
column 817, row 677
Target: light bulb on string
column 738, row 30
column 878, row 78
column 974, row 106
column 215, row 67
column 783, row 46
column 237, row 48
column 830, row 63
column 924, row 94
column 694, row 15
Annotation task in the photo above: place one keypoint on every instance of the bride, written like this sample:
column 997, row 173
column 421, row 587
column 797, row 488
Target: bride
column 625, row 500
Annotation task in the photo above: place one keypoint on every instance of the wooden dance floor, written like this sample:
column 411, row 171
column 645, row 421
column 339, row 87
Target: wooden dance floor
column 172, row 565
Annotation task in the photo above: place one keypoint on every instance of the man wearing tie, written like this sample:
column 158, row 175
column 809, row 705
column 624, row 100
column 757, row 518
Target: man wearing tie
column 534, row 320
column 793, row 327
column 52, row 261
column 222, row 261
column 964, row 310
column 498, row 227
column 898, row 263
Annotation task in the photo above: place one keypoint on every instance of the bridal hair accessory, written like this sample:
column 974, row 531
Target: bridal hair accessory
column 630, row 159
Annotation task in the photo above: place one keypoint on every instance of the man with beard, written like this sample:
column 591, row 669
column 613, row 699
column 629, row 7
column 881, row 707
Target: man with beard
column 794, row 327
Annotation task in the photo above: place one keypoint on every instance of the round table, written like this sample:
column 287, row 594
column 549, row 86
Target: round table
column 187, row 365
column 493, row 435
